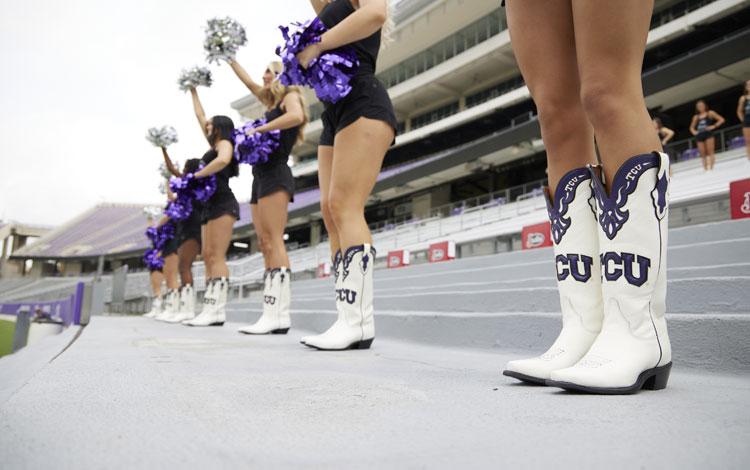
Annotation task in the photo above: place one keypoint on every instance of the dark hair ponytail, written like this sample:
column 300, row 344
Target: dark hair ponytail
column 223, row 127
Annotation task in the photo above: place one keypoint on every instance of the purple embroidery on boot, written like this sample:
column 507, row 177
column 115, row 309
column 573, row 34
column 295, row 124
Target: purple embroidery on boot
column 659, row 195
column 564, row 195
column 611, row 213
column 336, row 263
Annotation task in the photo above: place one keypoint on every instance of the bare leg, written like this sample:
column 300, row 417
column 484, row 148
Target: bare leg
column 544, row 45
column 156, row 279
column 610, row 40
column 710, row 143
column 187, row 253
column 273, row 213
column 358, row 154
column 258, row 224
column 171, row 269
column 325, row 164
column 219, row 233
column 746, row 135
column 204, row 251
column 704, row 154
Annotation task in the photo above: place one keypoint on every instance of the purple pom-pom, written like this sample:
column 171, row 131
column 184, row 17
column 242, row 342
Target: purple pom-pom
column 255, row 148
column 329, row 75
column 151, row 234
column 152, row 261
column 187, row 189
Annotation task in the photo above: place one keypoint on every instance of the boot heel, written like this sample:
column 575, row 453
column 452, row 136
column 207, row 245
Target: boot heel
column 659, row 379
column 280, row 331
column 364, row 344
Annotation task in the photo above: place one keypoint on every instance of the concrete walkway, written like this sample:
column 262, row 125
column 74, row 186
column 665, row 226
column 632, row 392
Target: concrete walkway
column 134, row 393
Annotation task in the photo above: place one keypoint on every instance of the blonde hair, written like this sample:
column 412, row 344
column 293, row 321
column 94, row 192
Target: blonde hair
column 385, row 31
column 275, row 93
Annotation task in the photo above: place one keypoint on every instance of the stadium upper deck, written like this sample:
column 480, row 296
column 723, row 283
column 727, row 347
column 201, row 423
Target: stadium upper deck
column 468, row 125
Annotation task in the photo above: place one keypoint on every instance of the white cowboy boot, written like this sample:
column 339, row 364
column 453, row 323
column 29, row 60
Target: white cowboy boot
column 213, row 313
column 208, row 299
column 632, row 351
column 171, row 305
column 575, row 234
column 187, row 305
column 337, row 265
column 275, row 318
column 355, row 327
column 156, row 307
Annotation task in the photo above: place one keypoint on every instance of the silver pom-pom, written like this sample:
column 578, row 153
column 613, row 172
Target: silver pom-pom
column 223, row 38
column 153, row 213
column 194, row 77
column 162, row 137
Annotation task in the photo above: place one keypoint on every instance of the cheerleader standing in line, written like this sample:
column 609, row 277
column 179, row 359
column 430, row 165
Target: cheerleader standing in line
column 357, row 131
column 582, row 61
column 170, row 269
column 272, row 191
column 188, row 237
column 220, row 213
column 156, row 277
column 743, row 113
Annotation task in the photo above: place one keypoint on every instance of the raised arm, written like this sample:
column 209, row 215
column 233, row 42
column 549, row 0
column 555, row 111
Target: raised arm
column 244, row 77
column 369, row 17
column 294, row 115
column 668, row 134
column 170, row 165
column 200, row 114
column 225, row 153
column 740, row 105
column 163, row 221
column 170, row 195
column 716, row 117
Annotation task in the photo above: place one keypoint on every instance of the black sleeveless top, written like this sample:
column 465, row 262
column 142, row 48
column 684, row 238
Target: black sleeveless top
column 747, row 108
column 366, row 49
column 703, row 123
column 287, row 138
column 222, row 177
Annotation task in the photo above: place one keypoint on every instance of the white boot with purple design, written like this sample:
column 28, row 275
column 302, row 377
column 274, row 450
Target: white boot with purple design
column 355, row 326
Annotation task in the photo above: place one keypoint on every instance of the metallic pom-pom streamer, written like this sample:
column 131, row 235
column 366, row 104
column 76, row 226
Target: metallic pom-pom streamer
column 255, row 148
column 223, row 37
column 152, row 213
column 194, row 77
column 329, row 75
column 162, row 137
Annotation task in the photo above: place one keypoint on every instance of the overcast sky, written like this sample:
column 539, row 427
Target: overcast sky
column 83, row 80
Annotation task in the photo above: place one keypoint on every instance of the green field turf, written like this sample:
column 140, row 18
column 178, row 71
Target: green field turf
column 6, row 336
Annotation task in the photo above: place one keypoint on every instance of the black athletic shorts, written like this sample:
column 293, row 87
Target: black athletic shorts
column 170, row 247
column 267, row 179
column 368, row 98
column 220, row 204
column 703, row 136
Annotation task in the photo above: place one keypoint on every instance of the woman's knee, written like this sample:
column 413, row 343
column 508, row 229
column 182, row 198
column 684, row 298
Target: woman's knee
column 603, row 102
column 327, row 216
column 559, row 117
column 337, row 209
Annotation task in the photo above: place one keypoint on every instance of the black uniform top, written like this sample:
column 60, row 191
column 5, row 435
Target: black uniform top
column 747, row 108
column 222, row 177
column 366, row 49
column 703, row 123
column 287, row 138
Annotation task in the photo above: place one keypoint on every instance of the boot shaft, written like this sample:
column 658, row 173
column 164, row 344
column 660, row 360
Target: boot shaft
column 633, row 240
column 354, row 295
column 574, row 230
